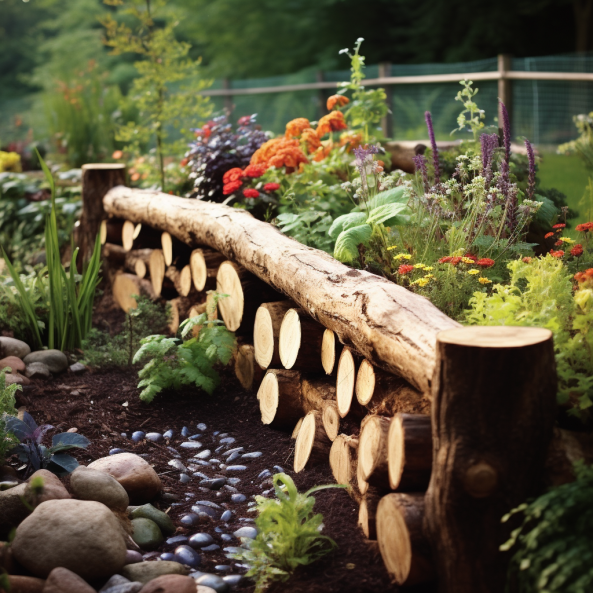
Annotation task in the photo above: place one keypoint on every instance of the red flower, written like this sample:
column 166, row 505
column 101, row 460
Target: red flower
column 250, row 193
column 471, row 256
column 254, row 170
column 405, row 269
column 557, row 254
column 455, row 260
column 584, row 227
column 233, row 174
column 231, row 187
column 548, row 235
column 445, row 260
column 526, row 260
column 485, row 262
column 184, row 162
column 577, row 250
column 582, row 276
column 559, row 226
column 558, row 243
column 245, row 120
column 271, row 186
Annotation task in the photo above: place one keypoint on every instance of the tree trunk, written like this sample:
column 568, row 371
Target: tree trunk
column 409, row 452
column 280, row 398
column 330, row 351
column 299, row 342
column 493, row 411
column 385, row 394
column 312, row 446
column 97, row 180
column 343, row 462
column 390, row 326
column 266, row 330
column 402, row 540
column 247, row 371
column 372, row 451
column 566, row 448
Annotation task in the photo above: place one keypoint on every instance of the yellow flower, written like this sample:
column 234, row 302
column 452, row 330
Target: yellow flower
column 400, row 256
column 473, row 272
column 429, row 276
column 422, row 281
column 392, row 248
column 566, row 240
column 428, row 269
column 483, row 280
column 420, row 266
column 467, row 260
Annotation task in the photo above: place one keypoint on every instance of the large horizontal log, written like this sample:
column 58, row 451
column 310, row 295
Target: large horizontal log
column 389, row 325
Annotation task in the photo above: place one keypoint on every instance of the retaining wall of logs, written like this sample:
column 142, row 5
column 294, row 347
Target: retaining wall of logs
column 437, row 430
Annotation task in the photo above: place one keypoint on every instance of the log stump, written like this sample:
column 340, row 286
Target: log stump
column 280, row 398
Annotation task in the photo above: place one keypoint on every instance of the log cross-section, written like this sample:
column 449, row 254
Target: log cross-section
column 389, row 325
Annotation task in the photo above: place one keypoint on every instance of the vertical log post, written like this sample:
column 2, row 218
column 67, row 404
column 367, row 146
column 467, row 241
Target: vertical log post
column 97, row 180
column 494, row 404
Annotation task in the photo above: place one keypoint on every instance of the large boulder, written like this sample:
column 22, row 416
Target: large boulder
column 170, row 583
column 82, row 536
column 13, row 347
column 92, row 484
column 62, row 580
column 55, row 360
column 137, row 477
column 144, row 572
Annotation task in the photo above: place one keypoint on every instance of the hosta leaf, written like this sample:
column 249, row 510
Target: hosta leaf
column 346, row 249
column 394, row 214
column 345, row 222
column 397, row 195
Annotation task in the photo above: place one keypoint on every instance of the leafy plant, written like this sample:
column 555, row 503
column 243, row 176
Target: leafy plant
column 583, row 145
column 471, row 116
column 167, row 90
column 70, row 296
column 174, row 363
column 289, row 534
column 7, row 408
column 36, row 455
column 552, row 547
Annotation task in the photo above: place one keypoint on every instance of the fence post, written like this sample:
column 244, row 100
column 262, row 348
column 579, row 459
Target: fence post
column 505, row 90
column 321, row 108
column 387, row 121
column 228, row 98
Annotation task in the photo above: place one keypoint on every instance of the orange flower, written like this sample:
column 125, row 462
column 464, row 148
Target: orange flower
column 279, row 152
column 584, row 227
column 548, row 235
column 295, row 127
column 254, row 171
column 351, row 140
column 233, row 174
column 135, row 176
column 526, row 260
column 323, row 151
column 338, row 100
column 332, row 122
column 311, row 139
column 577, row 250
column 118, row 154
column 405, row 269
column 289, row 157
column 265, row 152
column 558, row 254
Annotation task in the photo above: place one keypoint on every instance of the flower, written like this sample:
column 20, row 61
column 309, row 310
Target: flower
column 420, row 266
column 422, row 281
column 483, row 280
column 403, row 256
column 445, row 260
column 231, row 186
column 279, row 152
column 350, row 140
column 548, row 235
column 271, row 186
column 254, row 171
column 233, row 174
column 471, row 256
column 118, row 154
column 577, row 250
column 584, row 227
column 526, row 260
column 558, row 243
column 455, row 260
column 566, row 240
column 245, row 120
column 468, row 260
column 311, row 139
column 473, row 272
column 405, row 269
column 485, row 262
column 559, row 226
column 428, row 269
column 557, row 254
column 336, row 100
column 184, row 162
column 250, row 193
column 392, row 247
column 332, row 122
column 135, row 176
column 584, row 276
column 295, row 127
column 323, row 151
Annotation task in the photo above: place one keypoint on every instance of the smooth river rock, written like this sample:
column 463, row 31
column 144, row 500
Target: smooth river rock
column 14, row 363
column 37, row 370
column 13, row 347
column 83, row 536
column 138, row 478
column 62, row 580
column 147, row 511
column 55, row 360
column 146, row 534
column 144, row 572
column 21, row 584
column 92, row 484
column 170, row 583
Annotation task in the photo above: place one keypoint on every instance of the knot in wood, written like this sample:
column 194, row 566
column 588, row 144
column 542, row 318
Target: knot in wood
column 480, row 480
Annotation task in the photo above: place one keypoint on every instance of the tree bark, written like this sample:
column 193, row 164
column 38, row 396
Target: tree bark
column 317, row 393
column 266, row 330
column 493, row 411
column 250, row 375
column 135, row 262
column 389, row 325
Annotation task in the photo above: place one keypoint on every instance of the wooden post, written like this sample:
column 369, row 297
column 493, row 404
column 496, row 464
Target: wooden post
column 228, row 98
column 387, row 121
column 505, row 89
column 97, row 180
column 493, row 411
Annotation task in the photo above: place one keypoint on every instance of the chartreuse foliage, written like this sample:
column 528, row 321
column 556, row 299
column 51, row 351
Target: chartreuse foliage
column 289, row 534
column 7, row 408
column 540, row 294
column 553, row 551
column 174, row 363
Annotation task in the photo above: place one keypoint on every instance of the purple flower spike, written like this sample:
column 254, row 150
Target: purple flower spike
column 531, row 178
column 506, row 131
column 489, row 144
column 433, row 145
column 420, row 165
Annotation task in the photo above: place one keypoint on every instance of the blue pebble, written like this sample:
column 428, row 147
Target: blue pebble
column 169, row 556
column 238, row 498
column 227, row 441
column 236, row 468
column 249, row 532
column 195, row 437
column 247, row 520
column 184, row 478
column 214, row 460
column 137, row 436
column 191, row 445
column 211, row 548
column 214, row 582
column 222, row 567
column 124, row 435
column 233, row 481
column 224, row 434
column 115, row 451
column 154, row 437
column 203, row 454
column 174, row 451
column 168, row 434
column 201, row 426
column 189, row 520
column 208, row 503
column 233, row 549
column 232, row 579
column 201, row 462
column 199, row 540
column 177, row 539
column 265, row 474
column 200, row 475
column 219, row 449
column 186, row 555
column 214, row 483
column 226, row 537
column 226, row 516
column 216, row 433
column 204, row 510
column 233, row 456
column 235, row 450
column 253, row 455
column 278, row 469
column 185, row 431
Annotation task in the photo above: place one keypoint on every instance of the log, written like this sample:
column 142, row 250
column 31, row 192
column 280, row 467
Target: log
column 367, row 512
column 204, row 264
column 299, row 342
column 280, row 398
column 295, row 432
column 402, row 540
column 173, row 248
column 390, row 326
column 125, row 286
column 134, row 261
column 331, row 420
column 312, row 446
column 180, row 279
column 345, row 380
column 266, row 330
column 316, row 393
column 250, row 375
column 209, row 307
column 372, row 451
column 343, row 462
column 157, row 268
column 129, row 233
column 385, row 394
column 180, row 308
column 167, row 247
column 245, row 294
column 111, row 230
column 409, row 452
column 493, row 411
column 330, row 351
column 97, row 180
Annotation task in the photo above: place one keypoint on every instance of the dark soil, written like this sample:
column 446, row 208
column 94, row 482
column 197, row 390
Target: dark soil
column 94, row 404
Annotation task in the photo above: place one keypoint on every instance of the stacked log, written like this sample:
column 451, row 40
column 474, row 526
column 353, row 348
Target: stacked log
column 299, row 342
column 266, row 332
column 330, row 350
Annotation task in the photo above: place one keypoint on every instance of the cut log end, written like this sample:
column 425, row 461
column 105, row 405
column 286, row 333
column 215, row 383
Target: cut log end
column 157, row 267
column 495, row 337
column 372, row 451
column 331, row 420
column 247, row 372
column 126, row 286
column 297, row 428
column 367, row 513
column 289, row 341
column 312, row 445
column 199, row 271
column 365, row 382
column 263, row 337
column 140, row 268
column 342, row 460
column 230, row 307
column 127, row 235
column 328, row 351
column 280, row 400
column 103, row 232
column 167, row 246
column 345, row 382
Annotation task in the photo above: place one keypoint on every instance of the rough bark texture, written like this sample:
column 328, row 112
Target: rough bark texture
column 316, row 392
column 250, row 375
column 391, row 326
column 97, row 180
column 494, row 404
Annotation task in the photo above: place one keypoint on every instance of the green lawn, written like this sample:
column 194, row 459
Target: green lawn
column 567, row 174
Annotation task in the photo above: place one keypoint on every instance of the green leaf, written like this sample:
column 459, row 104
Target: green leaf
column 345, row 222
column 394, row 214
column 396, row 195
column 346, row 249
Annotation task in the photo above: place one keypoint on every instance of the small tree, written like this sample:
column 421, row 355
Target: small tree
column 167, row 91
